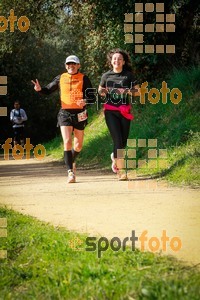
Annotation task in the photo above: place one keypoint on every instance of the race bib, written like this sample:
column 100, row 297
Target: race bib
column 82, row 116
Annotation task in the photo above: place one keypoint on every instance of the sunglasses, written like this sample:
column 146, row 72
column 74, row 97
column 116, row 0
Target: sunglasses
column 71, row 63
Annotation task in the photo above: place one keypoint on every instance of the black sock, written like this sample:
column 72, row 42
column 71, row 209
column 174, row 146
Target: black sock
column 74, row 154
column 68, row 159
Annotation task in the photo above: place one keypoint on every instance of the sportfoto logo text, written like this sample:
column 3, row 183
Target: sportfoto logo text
column 23, row 22
column 145, row 243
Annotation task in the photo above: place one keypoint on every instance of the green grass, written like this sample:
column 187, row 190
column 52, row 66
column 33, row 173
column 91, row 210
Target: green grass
column 42, row 265
column 184, row 163
column 55, row 148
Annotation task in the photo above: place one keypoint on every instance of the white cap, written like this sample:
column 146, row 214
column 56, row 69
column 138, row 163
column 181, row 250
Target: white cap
column 72, row 58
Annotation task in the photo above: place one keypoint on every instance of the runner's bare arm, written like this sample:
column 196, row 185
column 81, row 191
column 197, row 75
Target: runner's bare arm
column 102, row 91
column 81, row 102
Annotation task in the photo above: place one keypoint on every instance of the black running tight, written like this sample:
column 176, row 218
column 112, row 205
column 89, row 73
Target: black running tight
column 119, row 128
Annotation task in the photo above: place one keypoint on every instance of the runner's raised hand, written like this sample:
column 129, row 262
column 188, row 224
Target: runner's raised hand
column 37, row 86
column 81, row 102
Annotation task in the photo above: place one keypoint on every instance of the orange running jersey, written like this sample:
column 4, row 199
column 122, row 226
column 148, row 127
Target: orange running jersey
column 71, row 90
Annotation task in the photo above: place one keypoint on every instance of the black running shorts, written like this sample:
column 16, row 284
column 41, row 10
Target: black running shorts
column 69, row 117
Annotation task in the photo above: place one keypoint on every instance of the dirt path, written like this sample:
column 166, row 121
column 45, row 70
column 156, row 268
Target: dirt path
column 98, row 204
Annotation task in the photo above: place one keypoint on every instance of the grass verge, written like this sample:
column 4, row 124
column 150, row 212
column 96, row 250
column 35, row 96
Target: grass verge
column 41, row 264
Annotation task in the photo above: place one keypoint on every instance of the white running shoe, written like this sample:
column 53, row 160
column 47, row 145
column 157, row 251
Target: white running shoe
column 122, row 176
column 71, row 177
column 114, row 165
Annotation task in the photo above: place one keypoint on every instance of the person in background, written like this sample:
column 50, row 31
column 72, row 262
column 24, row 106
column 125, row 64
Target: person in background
column 115, row 86
column 18, row 117
column 75, row 92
